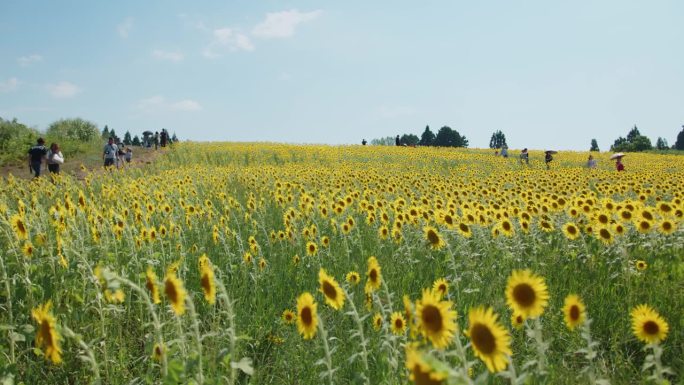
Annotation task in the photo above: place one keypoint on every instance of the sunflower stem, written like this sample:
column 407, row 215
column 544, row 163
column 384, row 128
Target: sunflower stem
column 223, row 294
column 461, row 354
column 541, row 346
column 326, row 349
column 155, row 319
column 198, row 338
column 8, row 293
column 359, row 325
column 90, row 357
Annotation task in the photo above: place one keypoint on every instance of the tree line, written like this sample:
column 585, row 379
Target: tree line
column 447, row 137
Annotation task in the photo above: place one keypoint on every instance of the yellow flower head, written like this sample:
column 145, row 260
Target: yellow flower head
column 334, row 296
column 490, row 341
column 307, row 315
column 151, row 284
column 648, row 326
column 47, row 336
column 436, row 319
column 527, row 294
column 174, row 290
column 574, row 311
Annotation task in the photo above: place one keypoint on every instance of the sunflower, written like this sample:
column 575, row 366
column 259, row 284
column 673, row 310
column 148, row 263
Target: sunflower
column 377, row 321
column 604, row 235
column 441, row 286
column 666, row 226
column 644, row 226
column 247, row 258
column 27, row 249
column 311, row 248
column 490, row 341
column 296, row 260
column 421, row 372
column 574, row 311
column 374, row 275
column 464, row 230
column 383, row 232
column 353, row 278
column 647, row 325
column 506, row 228
column 207, row 280
column 19, row 227
column 331, row 290
column 262, row 263
column 47, row 336
column 397, row 323
column 288, row 316
column 517, row 320
column 151, row 284
column 434, row 239
column 641, row 265
column 157, row 352
column 173, row 288
column 307, row 318
column 436, row 319
column 526, row 293
column 571, row 231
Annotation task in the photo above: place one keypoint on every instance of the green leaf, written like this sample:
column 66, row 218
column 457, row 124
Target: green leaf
column 245, row 364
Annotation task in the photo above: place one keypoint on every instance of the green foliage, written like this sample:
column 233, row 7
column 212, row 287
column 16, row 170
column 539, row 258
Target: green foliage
column 635, row 142
column 105, row 132
column 679, row 144
column 136, row 141
column 174, row 138
column 74, row 129
column 661, row 144
column 594, row 145
column 409, row 139
column 447, row 137
column 15, row 139
column 498, row 140
column 386, row 141
column 127, row 139
column 428, row 137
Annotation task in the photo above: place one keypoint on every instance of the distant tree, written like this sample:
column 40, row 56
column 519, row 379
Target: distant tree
column 105, row 132
column 428, row 137
column 661, row 144
column 74, row 129
column 409, row 139
column 498, row 140
column 446, row 137
column 594, row 145
column 634, row 142
column 386, row 141
column 136, row 141
column 174, row 138
column 112, row 134
column 679, row 143
column 127, row 139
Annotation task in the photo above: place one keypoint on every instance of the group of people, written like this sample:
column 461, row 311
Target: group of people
column 548, row 158
column 115, row 154
column 39, row 154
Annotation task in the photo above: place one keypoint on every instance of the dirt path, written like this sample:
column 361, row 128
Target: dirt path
column 91, row 162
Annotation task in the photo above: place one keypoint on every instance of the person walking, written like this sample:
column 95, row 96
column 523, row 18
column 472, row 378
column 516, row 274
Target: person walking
column 109, row 152
column 129, row 155
column 397, row 141
column 54, row 158
column 525, row 157
column 156, row 140
column 548, row 158
column 36, row 154
column 591, row 162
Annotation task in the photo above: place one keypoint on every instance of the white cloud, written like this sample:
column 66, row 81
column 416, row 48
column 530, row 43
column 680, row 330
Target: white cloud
column 125, row 27
column 283, row 24
column 28, row 60
column 227, row 39
column 10, row 85
column 159, row 103
column 63, row 90
column 186, row 105
column 167, row 55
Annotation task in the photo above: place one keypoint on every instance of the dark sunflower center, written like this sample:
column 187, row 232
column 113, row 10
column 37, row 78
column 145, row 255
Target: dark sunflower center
column 373, row 275
column 483, row 339
column 329, row 290
column 572, row 230
column 524, row 295
column 574, row 312
column 432, row 318
column 605, row 234
column 651, row 328
column 398, row 323
column 20, row 226
column 205, row 282
column 644, row 225
column 433, row 237
column 506, row 226
column 667, row 226
column 463, row 227
column 305, row 316
column 170, row 290
column 45, row 333
column 421, row 377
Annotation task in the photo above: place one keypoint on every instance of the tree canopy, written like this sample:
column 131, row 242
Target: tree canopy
column 427, row 138
column 679, row 144
column 447, row 137
column 594, row 145
column 498, row 140
column 634, row 142
column 74, row 129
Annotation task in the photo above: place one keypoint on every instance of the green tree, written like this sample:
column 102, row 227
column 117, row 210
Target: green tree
column 661, row 144
column 112, row 134
column 679, row 143
column 594, row 145
column 105, row 132
column 498, row 140
column 127, row 139
column 634, row 142
column 410, row 139
column 447, row 137
column 136, row 141
column 174, row 138
column 74, row 129
column 386, row 141
column 428, row 137
column 15, row 139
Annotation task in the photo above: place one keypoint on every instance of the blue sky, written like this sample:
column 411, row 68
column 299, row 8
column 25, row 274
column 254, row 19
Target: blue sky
column 546, row 73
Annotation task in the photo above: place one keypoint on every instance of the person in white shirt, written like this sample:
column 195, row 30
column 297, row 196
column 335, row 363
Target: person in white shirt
column 54, row 158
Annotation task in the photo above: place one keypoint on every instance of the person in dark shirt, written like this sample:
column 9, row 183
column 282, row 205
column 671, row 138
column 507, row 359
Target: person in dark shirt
column 397, row 141
column 36, row 155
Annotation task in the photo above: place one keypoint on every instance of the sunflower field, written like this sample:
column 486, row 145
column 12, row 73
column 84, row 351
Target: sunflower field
column 226, row 263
